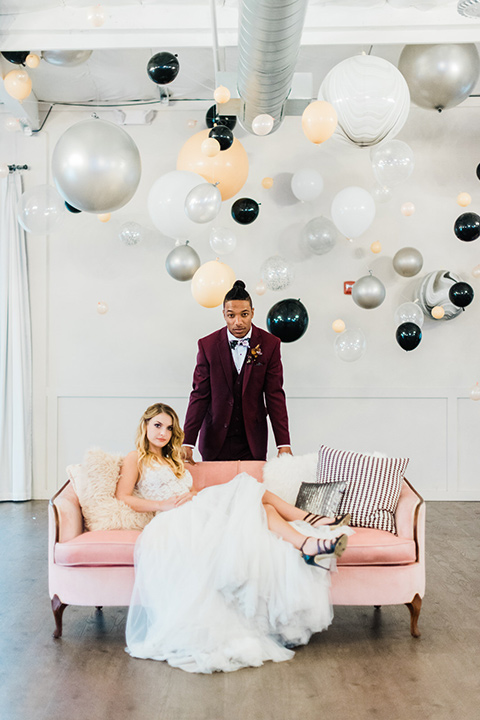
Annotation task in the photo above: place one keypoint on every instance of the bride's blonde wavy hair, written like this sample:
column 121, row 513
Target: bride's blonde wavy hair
column 171, row 453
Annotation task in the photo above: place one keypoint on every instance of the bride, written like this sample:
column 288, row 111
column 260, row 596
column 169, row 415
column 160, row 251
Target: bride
column 227, row 577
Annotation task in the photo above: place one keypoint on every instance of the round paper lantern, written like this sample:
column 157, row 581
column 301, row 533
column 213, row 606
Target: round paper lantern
column 96, row 166
column 440, row 76
column 229, row 168
column 211, row 283
column 370, row 97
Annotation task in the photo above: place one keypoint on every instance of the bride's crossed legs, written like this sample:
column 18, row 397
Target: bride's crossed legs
column 280, row 514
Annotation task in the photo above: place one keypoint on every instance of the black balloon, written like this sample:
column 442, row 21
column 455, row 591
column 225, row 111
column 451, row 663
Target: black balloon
column 408, row 335
column 211, row 119
column 245, row 210
column 467, row 227
column 70, row 208
column 17, row 58
column 223, row 134
column 461, row 294
column 163, row 68
column 287, row 320
column 478, row 172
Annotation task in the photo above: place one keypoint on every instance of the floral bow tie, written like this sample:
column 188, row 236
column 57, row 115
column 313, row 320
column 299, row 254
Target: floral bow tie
column 245, row 342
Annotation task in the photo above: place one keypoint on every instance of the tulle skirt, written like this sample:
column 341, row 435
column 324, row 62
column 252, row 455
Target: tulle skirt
column 216, row 590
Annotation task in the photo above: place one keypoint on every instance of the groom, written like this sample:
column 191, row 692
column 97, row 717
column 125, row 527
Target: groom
column 237, row 381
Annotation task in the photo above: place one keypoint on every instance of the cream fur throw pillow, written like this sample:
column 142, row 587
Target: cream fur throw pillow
column 95, row 483
column 283, row 475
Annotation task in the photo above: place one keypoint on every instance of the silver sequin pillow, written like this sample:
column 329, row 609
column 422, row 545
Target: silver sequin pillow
column 321, row 498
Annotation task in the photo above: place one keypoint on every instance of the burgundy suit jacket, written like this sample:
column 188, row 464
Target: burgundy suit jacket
column 211, row 400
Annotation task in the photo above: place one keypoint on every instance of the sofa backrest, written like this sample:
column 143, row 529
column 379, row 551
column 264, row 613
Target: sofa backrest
column 216, row 473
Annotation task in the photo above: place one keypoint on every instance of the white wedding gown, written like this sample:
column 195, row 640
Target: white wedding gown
column 215, row 589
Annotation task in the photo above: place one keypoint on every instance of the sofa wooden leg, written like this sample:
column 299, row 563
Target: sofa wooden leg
column 58, row 607
column 414, row 607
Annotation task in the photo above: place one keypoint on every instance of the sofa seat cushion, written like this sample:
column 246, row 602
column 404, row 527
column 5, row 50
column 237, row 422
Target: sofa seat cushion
column 98, row 548
column 378, row 547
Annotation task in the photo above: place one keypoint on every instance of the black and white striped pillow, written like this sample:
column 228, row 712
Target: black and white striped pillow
column 373, row 485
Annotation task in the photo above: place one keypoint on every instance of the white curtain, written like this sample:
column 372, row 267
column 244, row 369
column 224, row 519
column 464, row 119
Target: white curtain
column 15, row 350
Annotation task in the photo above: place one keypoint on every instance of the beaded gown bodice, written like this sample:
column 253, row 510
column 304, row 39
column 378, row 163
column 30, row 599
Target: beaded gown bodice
column 160, row 483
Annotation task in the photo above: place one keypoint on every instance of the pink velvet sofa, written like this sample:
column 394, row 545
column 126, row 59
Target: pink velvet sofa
column 96, row 568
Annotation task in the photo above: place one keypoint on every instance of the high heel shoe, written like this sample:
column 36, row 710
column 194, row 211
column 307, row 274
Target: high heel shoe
column 339, row 521
column 325, row 549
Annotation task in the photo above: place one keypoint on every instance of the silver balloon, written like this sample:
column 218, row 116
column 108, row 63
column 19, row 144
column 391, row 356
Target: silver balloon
column 66, row 58
column 182, row 263
column 409, row 312
column 96, row 166
column 350, row 345
column 368, row 292
column 277, row 273
column 131, row 233
column 440, row 76
column 222, row 240
column 433, row 291
column 320, row 235
column 203, row 203
column 408, row 262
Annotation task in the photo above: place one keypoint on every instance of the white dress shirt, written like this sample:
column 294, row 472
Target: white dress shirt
column 239, row 352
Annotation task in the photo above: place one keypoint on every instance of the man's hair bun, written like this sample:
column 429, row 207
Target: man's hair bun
column 240, row 284
column 238, row 292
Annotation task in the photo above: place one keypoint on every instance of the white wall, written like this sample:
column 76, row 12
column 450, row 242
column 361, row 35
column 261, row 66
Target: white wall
column 94, row 374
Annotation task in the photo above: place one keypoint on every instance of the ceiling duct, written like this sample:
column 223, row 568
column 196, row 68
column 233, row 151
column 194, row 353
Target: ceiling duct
column 268, row 45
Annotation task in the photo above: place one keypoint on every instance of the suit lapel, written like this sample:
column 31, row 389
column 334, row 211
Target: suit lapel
column 254, row 341
column 225, row 357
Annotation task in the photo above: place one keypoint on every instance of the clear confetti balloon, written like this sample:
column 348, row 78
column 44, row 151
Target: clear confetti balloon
column 277, row 273
column 131, row 233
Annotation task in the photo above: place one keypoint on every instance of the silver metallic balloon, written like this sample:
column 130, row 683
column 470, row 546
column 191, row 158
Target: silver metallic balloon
column 408, row 262
column 440, row 76
column 203, row 203
column 182, row 262
column 368, row 292
column 320, row 235
column 96, row 166
column 66, row 58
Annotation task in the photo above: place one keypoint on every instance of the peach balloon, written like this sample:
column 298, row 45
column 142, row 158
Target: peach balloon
column 476, row 271
column 438, row 312
column 210, row 147
column 260, row 288
column 338, row 326
column 407, row 209
column 267, row 183
column 211, row 283
column 18, row 84
column 464, row 199
column 221, row 94
column 102, row 308
column 376, row 247
column 319, row 121
column 32, row 61
column 104, row 217
column 229, row 168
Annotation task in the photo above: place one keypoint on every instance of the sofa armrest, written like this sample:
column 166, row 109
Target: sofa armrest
column 410, row 516
column 65, row 514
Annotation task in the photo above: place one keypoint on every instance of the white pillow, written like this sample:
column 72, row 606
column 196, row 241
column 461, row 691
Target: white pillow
column 95, row 483
column 283, row 475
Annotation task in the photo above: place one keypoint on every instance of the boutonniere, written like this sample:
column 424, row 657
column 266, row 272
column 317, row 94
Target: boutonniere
column 253, row 357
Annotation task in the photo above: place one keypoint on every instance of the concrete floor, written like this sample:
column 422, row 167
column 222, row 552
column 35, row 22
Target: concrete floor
column 365, row 666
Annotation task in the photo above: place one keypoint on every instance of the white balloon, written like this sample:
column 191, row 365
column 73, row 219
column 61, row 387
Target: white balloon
column 262, row 124
column 350, row 345
column 409, row 312
column 166, row 204
column 307, row 184
column 353, row 211
column 203, row 203
column 222, row 240
column 392, row 162
column 41, row 210
column 371, row 99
